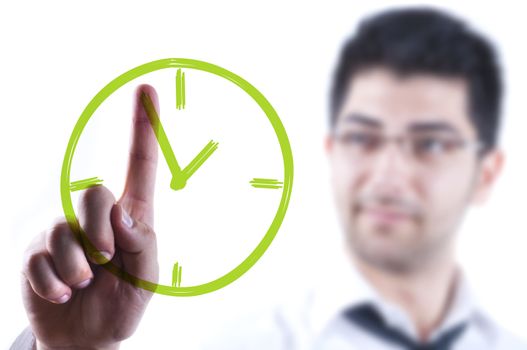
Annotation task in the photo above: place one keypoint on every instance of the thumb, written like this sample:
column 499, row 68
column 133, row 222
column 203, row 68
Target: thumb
column 137, row 245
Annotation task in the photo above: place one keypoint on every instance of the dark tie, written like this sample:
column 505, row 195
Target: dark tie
column 367, row 317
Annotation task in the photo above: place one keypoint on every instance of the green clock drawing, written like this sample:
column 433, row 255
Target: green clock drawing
column 180, row 176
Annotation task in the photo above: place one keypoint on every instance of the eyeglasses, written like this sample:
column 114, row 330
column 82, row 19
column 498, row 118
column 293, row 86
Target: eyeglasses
column 427, row 148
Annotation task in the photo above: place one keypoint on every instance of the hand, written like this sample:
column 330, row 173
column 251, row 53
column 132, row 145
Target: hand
column 73, row 303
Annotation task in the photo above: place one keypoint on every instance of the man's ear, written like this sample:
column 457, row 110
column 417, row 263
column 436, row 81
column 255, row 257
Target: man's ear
column 489, row 170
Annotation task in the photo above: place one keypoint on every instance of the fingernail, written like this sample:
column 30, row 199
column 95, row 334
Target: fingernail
column 126, row 219
column 83, row 284
column 100, row 257
column 62, row 299
column 107, row 255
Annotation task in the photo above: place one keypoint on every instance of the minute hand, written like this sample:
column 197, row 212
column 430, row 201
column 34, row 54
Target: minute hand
column 178, row 178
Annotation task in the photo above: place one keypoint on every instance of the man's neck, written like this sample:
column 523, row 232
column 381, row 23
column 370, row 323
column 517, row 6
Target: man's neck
column 425, row 294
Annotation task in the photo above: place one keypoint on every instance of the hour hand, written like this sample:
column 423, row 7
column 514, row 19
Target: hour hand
column 200, row 158
column 179, row 181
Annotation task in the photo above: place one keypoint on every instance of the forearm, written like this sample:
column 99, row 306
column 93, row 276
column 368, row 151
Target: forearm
column 27, row 341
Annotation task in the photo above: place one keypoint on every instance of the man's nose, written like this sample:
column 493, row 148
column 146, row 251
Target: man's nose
column 391, row 169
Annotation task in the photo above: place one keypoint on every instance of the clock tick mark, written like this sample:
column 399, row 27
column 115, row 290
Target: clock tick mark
column 180, row 89
column 259, row 182
column 176, row 275
column 85, row 183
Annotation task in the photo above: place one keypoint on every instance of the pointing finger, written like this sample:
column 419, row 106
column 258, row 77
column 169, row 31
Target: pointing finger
column 138, row 195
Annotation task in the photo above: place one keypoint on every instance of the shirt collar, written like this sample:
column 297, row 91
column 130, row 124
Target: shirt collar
column 345, row 287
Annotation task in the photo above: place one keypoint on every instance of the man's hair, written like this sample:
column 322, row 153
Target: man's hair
column 426, row 40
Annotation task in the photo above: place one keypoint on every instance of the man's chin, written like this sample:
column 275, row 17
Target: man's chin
column 390, row 261
column 385, row 248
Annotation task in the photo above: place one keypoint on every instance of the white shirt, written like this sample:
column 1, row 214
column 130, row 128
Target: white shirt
column 316, row 321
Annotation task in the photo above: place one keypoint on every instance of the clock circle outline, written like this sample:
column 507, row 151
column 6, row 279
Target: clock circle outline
column 285, row 148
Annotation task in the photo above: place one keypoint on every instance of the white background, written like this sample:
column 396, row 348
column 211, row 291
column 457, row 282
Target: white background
column 56, row 55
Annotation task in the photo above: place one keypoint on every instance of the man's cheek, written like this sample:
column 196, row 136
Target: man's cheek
column 446, row 206
column 344, row 194
column 343, row 178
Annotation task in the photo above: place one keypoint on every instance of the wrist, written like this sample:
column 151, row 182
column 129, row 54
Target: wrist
column 40, row 346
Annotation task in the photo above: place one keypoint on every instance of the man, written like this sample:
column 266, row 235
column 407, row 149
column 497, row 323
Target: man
column 414, row 121
column 412, row 143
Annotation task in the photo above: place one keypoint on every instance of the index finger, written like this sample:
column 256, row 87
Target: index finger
column 138, row 194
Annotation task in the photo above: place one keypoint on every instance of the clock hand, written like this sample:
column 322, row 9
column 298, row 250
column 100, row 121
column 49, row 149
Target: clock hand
column 179, row 177
column 198, row 160
column 178, row 181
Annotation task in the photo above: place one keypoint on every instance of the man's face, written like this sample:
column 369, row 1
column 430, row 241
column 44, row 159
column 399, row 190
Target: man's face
column 400, row 202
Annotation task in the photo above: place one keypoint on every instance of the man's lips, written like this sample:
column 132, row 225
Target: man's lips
column 385, row 215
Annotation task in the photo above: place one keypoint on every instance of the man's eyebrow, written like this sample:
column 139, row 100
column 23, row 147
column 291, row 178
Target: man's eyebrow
column 415, row 127
column 433, row 126
column 363, row 119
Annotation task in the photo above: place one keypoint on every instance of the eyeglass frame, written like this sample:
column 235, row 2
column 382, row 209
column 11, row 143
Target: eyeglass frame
column 406, row 139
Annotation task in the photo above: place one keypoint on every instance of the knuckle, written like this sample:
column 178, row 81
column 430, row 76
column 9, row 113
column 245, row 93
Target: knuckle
column 50, row 290
column 59, row 221
column 95, row 195
column 37, row 244
column 149, row 233
column 33, row 260
column 58, row 236
column 142, row 155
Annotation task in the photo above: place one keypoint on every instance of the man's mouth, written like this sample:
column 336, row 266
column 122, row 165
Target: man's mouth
column 386, row 216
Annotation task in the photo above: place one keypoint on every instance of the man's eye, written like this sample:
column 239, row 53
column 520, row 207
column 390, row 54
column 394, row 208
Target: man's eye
column 432, row 146
column 360, row 139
